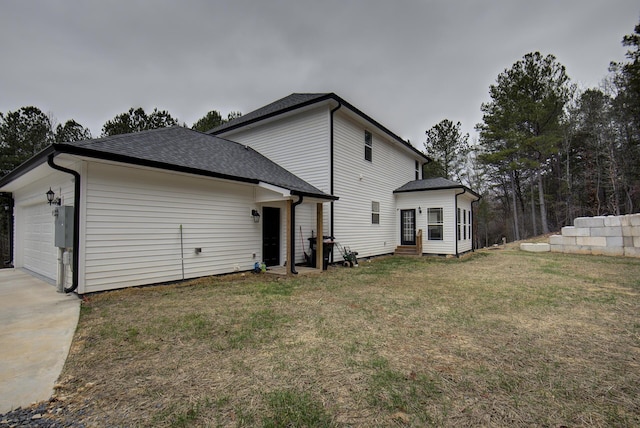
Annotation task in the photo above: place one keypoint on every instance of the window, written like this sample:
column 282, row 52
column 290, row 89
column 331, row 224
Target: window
column 459, row 235
column 417, row 170
column 469, row 224
column 464, row 224
column 435, row 226
column 375, row 212
column 368, row 146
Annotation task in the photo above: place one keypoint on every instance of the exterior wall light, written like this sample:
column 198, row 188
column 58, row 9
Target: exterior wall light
column 51, row 198
column 256, row 216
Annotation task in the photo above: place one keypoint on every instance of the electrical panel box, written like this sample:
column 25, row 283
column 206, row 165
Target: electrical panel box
column 63, row 236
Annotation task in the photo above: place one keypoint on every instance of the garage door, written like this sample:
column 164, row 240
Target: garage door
column 39, row 254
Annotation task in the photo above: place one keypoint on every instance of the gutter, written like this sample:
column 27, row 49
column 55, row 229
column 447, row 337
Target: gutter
column 293, row 233
column 81, row 151
column 455, row 214
column 27, row 166
column 331, row 154
column 97, row 154
column 76, row 220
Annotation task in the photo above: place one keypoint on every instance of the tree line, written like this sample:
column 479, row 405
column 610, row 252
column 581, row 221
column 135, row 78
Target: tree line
column 28, row 130
column 547, row 151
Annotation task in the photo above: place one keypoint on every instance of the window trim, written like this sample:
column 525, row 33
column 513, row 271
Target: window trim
column 439, row 225
column 375, row 212
column 368, row 146
column 464, row 224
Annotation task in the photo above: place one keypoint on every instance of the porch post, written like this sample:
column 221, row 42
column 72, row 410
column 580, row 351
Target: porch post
column 319, row 243
column 288, row 230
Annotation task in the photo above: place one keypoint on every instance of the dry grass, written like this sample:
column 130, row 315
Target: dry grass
column 498, row 338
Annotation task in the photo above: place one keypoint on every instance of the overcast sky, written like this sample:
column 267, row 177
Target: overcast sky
column 408, row 64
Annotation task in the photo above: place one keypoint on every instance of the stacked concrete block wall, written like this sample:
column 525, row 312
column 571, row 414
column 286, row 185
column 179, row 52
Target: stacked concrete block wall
column 611, row 235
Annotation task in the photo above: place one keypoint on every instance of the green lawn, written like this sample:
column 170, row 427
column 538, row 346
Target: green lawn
column 497, row 338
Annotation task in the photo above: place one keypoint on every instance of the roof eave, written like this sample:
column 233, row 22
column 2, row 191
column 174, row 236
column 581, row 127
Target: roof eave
column 323, row 196
column 381, row 127
column 27, row 166
column 440, row 188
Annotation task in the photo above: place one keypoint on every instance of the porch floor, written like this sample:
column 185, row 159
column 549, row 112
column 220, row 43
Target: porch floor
column 302, row 270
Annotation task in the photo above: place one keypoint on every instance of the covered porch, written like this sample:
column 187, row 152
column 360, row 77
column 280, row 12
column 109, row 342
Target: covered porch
column 269, row 194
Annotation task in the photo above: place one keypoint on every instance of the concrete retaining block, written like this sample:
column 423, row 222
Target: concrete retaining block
column 612, row 221
column 589, row 221
column 566, row 240
column 576, row 249
column 606, row 231
column 535, row 247
column 608, row 251
column 615, row 241
column 555, row 240
column 611, row 236
column 632, row 252
column 631, row 231
column 575, row 231
column 591, row 241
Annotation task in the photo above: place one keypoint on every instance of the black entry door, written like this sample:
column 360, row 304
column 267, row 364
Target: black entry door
column 271, row 236
column 407, row 227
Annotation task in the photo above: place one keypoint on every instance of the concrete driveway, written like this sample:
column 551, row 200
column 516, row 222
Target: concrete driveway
column 37, row 325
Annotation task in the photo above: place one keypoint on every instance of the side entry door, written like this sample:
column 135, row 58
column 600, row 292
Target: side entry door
column 407, row 227
column 271, row 236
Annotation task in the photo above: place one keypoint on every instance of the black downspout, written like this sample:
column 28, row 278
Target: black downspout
column 331, row 170
column 11, row 226
column 455, row 213
column 293, row 233
column 76, row 220
column 473, row 229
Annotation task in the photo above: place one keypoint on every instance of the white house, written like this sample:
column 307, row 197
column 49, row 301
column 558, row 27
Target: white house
column 337, row 148
column 173, row 203
column 150, row 207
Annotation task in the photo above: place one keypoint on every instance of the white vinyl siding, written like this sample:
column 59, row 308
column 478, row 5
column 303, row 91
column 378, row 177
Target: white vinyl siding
column 34, row 224
column 432, row 199
column 357, row 182
column 299, row 144
column 444, row 199
column 133, row 219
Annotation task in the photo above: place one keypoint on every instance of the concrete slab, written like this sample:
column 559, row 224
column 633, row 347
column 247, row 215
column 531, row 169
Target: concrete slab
column 37, row 326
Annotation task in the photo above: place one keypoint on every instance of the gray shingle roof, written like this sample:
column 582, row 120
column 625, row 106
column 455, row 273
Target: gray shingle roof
column 185, row 150
column 283, row 104
column 438, row 183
